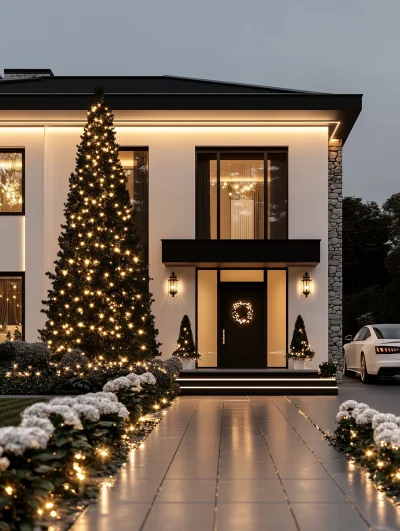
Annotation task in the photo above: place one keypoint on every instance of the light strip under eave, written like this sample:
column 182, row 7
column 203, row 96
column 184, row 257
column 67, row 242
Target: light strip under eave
column 255, row 387
column 254, row 379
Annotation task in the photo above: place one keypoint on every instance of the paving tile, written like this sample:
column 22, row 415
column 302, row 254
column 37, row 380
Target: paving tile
column 254, row 517
column 134, row 490
column 300, row 470
column 313, row 490
column 187, row 490
column 247, row 470
column 250, row 490
column 180, row 517
column 193, row 469
column 328, row 517
column 121, row 516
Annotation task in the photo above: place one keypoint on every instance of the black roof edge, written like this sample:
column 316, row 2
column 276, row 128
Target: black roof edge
column 30, row 71
column 250, row 85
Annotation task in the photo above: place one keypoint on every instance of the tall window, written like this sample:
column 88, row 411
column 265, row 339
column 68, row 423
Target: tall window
column 241, row 194
column 12, row 181
column 11, row 307
column 135, row 162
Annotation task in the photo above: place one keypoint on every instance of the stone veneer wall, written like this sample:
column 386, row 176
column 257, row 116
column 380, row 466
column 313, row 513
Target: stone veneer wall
column 335, row 347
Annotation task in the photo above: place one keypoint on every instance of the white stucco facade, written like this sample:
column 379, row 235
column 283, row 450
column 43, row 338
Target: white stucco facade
column 31, row 243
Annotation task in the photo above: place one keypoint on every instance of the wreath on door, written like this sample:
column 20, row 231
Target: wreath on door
column 242, row 312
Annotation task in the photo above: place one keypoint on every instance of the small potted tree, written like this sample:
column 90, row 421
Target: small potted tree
column 300, row 349
column 186, row 349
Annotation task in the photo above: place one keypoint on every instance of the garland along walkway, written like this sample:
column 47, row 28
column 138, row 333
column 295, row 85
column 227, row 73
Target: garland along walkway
column 239, row 463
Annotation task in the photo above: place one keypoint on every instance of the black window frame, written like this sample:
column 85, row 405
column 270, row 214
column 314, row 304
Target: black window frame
column 22, row 151
column 21, row 275
column 217, row 151
column 142, row 148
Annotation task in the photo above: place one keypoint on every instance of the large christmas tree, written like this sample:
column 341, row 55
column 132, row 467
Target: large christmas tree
column 100, row 300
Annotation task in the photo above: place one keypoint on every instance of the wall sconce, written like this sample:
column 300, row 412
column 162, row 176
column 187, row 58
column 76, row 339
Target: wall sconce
column 173, row 284
column 306, row 281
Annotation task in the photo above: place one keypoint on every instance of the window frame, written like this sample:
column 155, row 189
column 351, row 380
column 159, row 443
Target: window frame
column 22, row 151
column 217, row 151
column 20, row 274
column 147, row 149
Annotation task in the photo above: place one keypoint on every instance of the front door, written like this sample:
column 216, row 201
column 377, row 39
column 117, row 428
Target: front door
column 242, row 325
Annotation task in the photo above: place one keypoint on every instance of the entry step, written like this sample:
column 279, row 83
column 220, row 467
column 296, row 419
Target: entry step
column 255, row 382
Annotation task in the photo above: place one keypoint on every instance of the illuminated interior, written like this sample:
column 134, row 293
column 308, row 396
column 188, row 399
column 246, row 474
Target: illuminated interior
column 11, row 171
column 10, row 308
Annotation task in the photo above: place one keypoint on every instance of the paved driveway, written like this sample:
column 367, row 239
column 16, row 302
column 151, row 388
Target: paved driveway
column 241, row 464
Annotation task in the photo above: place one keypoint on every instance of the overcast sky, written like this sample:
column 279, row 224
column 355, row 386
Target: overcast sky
column 323, row 45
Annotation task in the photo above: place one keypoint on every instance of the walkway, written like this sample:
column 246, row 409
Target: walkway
column 238, row 463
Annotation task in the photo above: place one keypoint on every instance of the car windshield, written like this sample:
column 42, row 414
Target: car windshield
column 387, row 331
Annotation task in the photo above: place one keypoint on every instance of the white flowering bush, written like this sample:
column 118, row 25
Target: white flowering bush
column 373, row 440
column 62, row 445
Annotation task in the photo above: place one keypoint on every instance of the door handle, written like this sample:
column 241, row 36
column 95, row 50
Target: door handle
column 223, row 336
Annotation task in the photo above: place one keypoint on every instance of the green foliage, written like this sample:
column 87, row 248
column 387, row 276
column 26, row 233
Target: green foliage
column 299, row 346
column 327, row 369
column 185, row 345
column 51, row 475
column 100, row 299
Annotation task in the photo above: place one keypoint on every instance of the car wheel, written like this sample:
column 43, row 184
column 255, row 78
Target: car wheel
column 346, row 371
column 365, row 377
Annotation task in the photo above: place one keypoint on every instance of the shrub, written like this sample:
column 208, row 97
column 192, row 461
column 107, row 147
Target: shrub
column 327, row 369
column 35, row 355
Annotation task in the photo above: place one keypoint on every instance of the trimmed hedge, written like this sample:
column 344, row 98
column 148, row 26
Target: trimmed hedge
column 54, row 461
column 372, row 440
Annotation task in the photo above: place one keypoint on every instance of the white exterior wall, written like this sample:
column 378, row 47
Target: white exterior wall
column 50, row 158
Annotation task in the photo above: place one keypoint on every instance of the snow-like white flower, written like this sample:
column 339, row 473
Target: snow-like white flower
column 105, row 406
column 387, row 436
column 385, row 426
column 116, row 385
column 87, row 412
column 36, row 410
column 342, row 415
column 359, row 409
column 135, row 379
column 44, row 410
column 64, row 400
column 148, row 378
column 37, row 422
column 101, row 394
column 383, row 417
column 348, row 405
column 17, row 440
column 365, row 417
column 4, row 463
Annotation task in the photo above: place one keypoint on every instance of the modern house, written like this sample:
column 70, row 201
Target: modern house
column 237, row 190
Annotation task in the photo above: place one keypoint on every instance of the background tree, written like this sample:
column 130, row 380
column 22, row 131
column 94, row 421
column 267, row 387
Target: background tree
column 185, row 345
column 299, row 346
column 100, row 300
column 366, row 237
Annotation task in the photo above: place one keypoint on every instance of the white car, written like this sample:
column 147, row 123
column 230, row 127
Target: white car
column 374, row 352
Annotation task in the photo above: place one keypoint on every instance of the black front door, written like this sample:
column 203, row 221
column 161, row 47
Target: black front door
column 242, row 325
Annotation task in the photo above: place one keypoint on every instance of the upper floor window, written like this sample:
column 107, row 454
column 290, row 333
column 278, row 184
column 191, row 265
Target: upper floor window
column 12, row 170
column 241, row 194
column 135, row 162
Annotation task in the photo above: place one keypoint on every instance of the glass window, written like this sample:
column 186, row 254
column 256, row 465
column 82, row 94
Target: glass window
column 11, row 314
column 366, row 334
column 135, row 162
column 207, row 282
column 11, row 181
column 241, row 195
column 388, row 331
column 206, row 198
column 359, row 334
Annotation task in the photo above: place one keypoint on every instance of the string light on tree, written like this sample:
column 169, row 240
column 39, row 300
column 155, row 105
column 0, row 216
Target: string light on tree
column 99, row 298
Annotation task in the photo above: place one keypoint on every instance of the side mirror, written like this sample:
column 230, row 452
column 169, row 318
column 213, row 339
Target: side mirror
column 348, row 338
